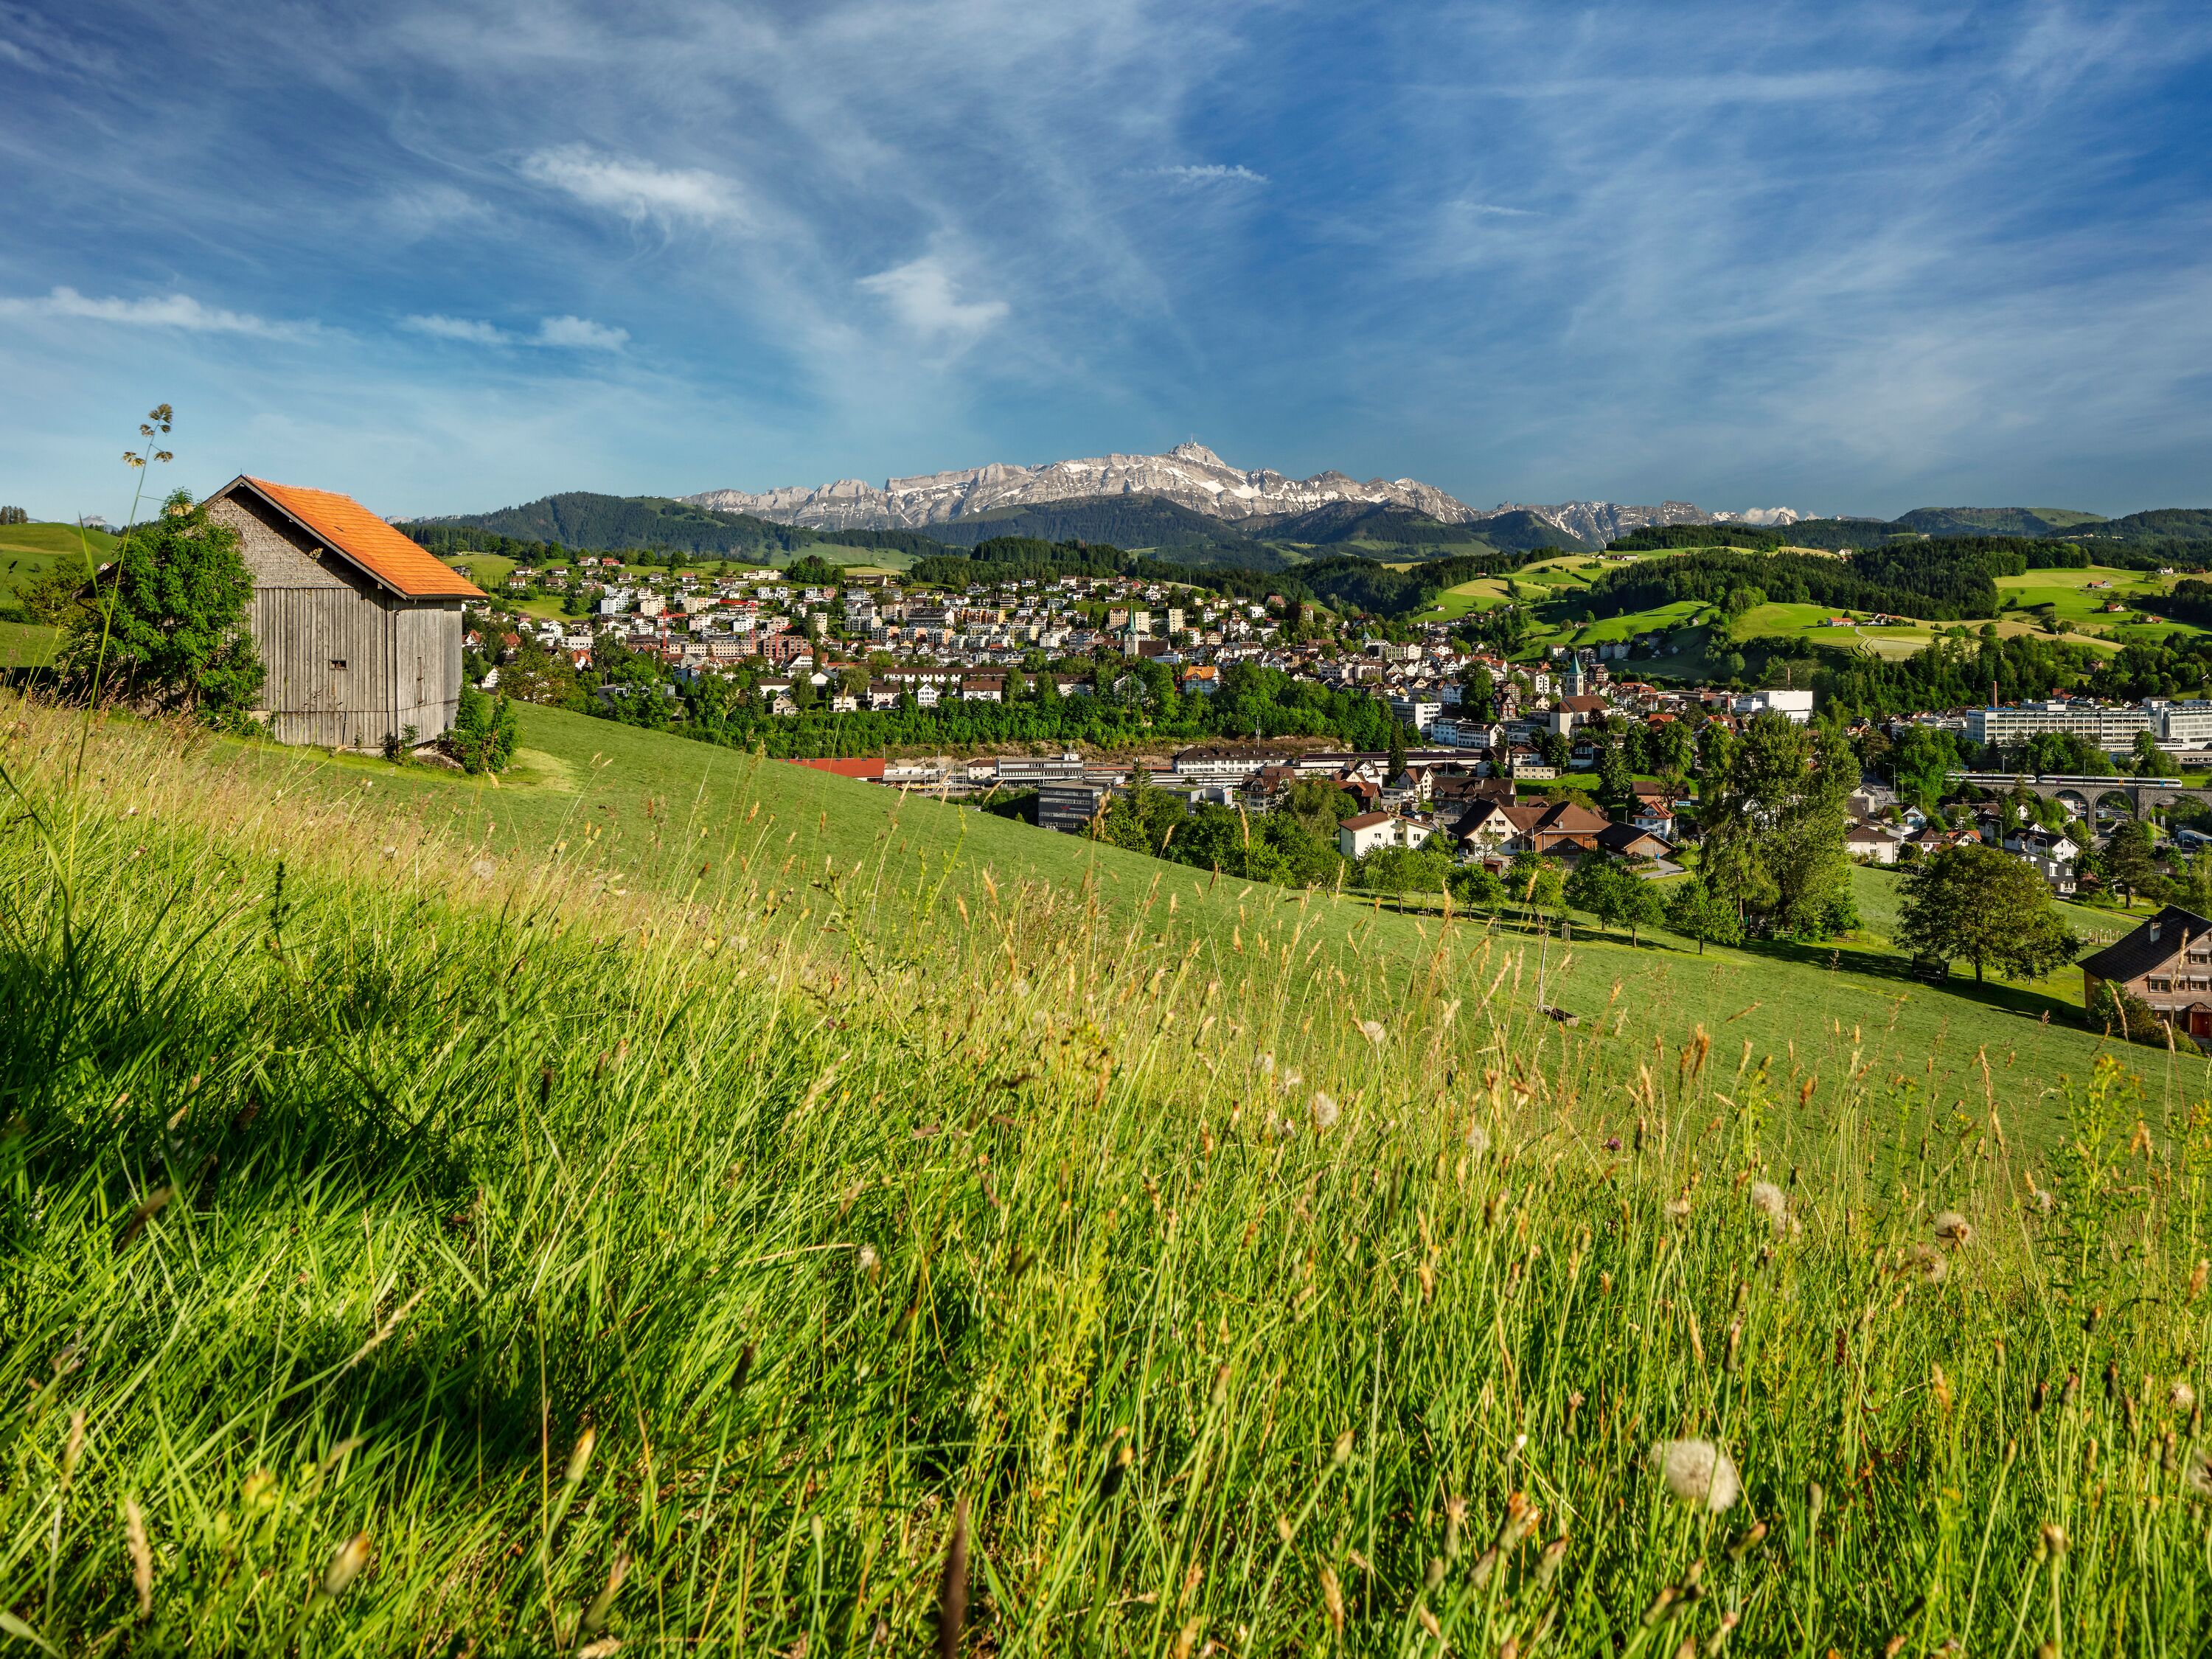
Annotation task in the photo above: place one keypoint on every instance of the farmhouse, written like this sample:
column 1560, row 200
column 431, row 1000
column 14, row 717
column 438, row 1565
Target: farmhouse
column 2167, row 962
column 360, row 629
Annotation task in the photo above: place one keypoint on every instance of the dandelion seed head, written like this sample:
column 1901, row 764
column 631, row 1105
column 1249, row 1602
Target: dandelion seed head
column 1373, row 1030
column 1698, row 1472
column 1264, row 1064
column 1478, row 1138
column 1769, row 1200
column 866, row 1260
column 484, row 869
column 1952, row 1229
column 2181, row 1396
column 1678, row 1209
column 1325, row 1113
column 2198, row 1477
column 1926, row 1261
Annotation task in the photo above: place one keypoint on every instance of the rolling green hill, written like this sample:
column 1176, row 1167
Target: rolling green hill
column 659, row 1202
column 652, row 808
column 1994, row 520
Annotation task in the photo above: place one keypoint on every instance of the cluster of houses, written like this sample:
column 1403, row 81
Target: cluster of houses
column 361, row 632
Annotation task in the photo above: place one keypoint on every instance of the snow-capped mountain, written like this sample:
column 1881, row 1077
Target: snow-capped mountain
column 1190, row 475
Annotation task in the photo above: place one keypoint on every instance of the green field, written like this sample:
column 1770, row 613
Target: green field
column 30, row 552
column 27, row 644
column 664, row 1201
column 644, row 804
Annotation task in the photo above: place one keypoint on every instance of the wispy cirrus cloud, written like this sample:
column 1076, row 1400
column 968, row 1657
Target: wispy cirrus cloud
column 637, row 190
column 169, row 310
column 572, row 333
column 1209, row 172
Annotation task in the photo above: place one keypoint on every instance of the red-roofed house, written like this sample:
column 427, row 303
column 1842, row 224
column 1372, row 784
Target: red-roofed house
column 360, row 628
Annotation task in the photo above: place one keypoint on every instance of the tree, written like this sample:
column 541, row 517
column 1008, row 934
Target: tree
column 1534, row 882
column 537, row 674
column 1477, row 886
column 1641, row 907
column 1773, row 813
column 1615, row 782
column 484, row 731
column 1594, row 886
column 2152, row 761
column 1555, row 749
column 167, row 624
column 1977, row 904
column 1396, row 762
column 2128, row 864
column 1695, row 911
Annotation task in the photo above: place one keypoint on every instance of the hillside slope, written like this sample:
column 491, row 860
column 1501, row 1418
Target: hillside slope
column 426, row 1235
column 664, row 819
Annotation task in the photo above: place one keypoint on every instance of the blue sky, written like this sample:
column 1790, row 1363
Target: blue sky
column 453, row 255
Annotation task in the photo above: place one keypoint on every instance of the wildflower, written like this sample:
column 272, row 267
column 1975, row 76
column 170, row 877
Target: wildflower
column 1770, row 1201
column 1373, row 1030
column 1926, row 1261
column 2181, row 1397
column 1324, row 1113
column 1478, row 1138
column 345, row 1566
column 1613, row 1143
column 1953, row 1230
column 1697, row 1472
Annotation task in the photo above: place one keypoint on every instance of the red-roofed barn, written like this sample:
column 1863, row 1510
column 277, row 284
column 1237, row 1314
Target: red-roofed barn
column 360, row 629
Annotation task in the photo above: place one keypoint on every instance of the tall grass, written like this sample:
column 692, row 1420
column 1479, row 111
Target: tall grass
column 407, row 1251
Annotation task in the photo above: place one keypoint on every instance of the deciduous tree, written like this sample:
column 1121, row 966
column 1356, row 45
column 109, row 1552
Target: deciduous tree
column 1979, row 904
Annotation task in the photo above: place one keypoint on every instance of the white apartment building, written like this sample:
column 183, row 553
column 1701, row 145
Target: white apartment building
column 1416, row 712
column 1797, row 705
column 2111, row 726
column 2182, row 725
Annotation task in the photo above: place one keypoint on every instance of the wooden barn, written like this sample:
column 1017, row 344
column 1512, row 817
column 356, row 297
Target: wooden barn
column 360, row 629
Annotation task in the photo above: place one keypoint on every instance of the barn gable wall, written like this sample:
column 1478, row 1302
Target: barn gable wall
column 349, row 663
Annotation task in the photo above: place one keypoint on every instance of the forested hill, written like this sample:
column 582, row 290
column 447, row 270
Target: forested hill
column 1941, row 581
column 582, row 520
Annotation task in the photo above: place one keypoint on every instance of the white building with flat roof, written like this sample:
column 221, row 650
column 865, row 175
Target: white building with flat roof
column 2111, row 726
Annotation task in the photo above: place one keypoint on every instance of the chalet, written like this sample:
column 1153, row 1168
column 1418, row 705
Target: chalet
column 1358, row 837
column 2167, row 962
column 1625, row 841
column 1873, row 842
column 1495, row 830
column 360, row 629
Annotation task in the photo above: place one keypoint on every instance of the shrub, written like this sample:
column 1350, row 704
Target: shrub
column 484, row 734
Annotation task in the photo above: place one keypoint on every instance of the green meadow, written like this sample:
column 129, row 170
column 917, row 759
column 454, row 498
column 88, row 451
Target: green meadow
column 663, row 1200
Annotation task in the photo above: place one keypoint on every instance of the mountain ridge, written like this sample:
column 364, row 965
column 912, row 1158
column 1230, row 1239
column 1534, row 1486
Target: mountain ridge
column 1189, row 475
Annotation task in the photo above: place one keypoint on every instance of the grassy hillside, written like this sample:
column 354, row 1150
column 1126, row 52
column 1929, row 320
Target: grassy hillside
column 645, row 811
column 637, row 1205
column 30, row 552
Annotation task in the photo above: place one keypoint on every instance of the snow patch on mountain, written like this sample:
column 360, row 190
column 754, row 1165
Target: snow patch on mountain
column 1191, row 475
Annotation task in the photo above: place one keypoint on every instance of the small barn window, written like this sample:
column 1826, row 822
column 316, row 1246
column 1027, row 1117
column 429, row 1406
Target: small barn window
column 337, row 662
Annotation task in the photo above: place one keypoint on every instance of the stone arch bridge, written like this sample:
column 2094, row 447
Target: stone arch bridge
column 2086, row 791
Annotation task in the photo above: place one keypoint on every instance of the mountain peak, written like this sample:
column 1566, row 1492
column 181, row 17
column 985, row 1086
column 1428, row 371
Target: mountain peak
column 1191, row 450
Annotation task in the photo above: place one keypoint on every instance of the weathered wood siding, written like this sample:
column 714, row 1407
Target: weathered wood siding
column 349, row 663
column 329, row 652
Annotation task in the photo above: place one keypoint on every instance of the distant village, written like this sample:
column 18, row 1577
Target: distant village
column 865, row 643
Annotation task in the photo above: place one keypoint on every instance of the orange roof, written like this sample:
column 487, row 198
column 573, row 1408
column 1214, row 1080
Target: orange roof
column 369, row 542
